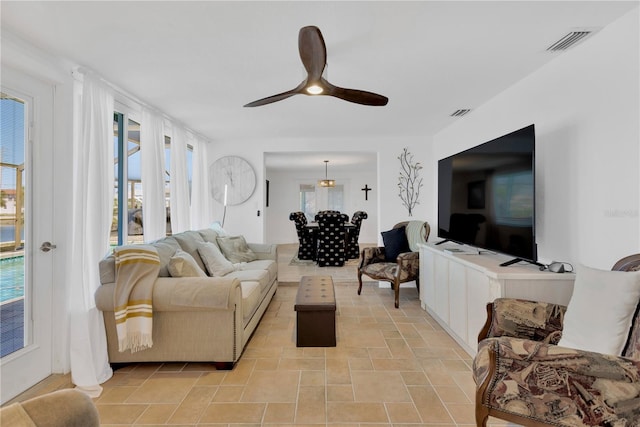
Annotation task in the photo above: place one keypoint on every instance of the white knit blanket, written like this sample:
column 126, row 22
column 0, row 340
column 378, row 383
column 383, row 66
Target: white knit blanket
column 137, row 267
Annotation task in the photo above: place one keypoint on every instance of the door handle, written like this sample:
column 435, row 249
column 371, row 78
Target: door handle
column 47, row 246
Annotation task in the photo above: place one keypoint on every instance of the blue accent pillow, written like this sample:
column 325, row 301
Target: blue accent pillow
column 395, row 243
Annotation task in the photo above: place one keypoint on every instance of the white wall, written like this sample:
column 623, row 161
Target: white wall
column 585, row 106
column 243, row 219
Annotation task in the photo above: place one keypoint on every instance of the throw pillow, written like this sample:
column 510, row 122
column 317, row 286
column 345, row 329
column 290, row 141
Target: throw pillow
column 601, row 310
column 395, row 243
column 181, row 264
column 215, row 262
column 235, row 249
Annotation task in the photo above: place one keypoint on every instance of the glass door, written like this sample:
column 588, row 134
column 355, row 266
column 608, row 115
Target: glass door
column 25, row 223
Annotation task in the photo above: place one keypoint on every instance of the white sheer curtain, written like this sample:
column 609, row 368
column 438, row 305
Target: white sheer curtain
column 154, row 215
column 200, row 194
column 179, row 183
column 92, row 212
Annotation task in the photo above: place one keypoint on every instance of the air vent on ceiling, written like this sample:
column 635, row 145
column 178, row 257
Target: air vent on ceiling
column 460, row 113
column 569, row 40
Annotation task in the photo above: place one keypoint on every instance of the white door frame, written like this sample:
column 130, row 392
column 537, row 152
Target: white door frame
column 28, row 366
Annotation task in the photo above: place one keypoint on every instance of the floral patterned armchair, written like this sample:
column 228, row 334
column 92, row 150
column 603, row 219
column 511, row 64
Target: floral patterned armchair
column 522, row 376
column 405, row 268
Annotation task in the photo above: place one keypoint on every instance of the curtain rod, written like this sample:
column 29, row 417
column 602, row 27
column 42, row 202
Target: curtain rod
column 123, row 93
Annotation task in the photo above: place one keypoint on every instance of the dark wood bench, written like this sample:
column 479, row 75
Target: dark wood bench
column 315, row 312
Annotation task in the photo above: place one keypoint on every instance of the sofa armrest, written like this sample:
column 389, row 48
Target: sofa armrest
column 538, row 321
column 264, row 250
column 523, row 379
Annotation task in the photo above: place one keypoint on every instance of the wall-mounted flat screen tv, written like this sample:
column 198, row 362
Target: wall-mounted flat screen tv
column 486, row 196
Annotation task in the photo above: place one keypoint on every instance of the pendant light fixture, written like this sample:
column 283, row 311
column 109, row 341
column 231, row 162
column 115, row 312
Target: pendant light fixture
column 326, row 182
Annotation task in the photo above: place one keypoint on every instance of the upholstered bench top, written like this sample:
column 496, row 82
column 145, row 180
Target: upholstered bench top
column 315, row 293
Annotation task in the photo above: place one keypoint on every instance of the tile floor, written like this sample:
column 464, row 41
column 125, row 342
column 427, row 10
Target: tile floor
column 390, row 367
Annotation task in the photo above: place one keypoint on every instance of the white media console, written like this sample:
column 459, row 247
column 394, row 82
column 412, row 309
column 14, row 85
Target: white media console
column 455, row 287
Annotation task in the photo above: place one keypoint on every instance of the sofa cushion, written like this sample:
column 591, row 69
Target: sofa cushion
column 250, row 298
column 209, row 235
column 614, row 295
column 260, row 276
column 188, row 241
column 395, row 243
column 270, row 266
column 182, row 264
column 235, row 249
column 166, row 248
column 217, row 265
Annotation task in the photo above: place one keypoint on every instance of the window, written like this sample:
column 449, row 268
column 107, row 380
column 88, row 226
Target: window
column 308, row 200
column 335, row 198
column 127, row 222
column 127, row 227
column 314, row 199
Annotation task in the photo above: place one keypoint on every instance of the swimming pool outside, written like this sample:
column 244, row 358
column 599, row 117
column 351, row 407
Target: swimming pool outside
column 11, row 278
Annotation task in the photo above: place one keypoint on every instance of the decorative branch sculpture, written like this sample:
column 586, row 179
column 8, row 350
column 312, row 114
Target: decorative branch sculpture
column 409, row 181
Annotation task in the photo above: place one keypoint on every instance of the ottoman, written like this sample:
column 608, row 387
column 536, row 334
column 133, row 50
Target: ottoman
column 315, row 312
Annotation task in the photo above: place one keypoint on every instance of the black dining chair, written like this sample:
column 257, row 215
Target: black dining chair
column 331, row 239
column 320, row 213
column 306, row 237
column 353, row 233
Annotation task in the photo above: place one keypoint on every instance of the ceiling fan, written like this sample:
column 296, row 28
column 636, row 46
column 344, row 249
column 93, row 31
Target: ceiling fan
column 313, row 54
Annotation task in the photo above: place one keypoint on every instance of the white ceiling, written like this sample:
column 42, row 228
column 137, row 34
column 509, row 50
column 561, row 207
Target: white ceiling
column 200, row 62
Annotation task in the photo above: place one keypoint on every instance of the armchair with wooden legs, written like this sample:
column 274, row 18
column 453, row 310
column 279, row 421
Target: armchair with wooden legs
column 404, row 268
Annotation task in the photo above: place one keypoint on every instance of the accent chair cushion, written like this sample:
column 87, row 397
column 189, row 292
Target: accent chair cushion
column 395, row 243
column 601, row 310
column 215, row 262
column 183, row 265
column 235, row 249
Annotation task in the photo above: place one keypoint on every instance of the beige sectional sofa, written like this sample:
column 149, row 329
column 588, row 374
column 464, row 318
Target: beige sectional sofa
column 201, row 318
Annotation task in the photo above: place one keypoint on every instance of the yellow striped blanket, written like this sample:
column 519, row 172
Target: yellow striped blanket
column 137, row 267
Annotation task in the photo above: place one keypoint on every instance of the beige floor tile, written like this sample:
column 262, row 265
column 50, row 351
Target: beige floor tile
column 193, row 405
column 157, row 414
column 283, row 413
column 360, row 364
column 455, row 365
column 272, row 386
column 240, row 373
column 392, row 364
column 462, row 413
column 116, row 394
column 211, row 378
column 356, row 412
column 452, row 394
column 311, row 407
column 234, row 413
column 165, row 388
column 414, row 378
column 379, row 386
column 402, row 413
column 228, row 393
column 120, row 413
column 429, row 406
column 312, row 378
column 340, row 393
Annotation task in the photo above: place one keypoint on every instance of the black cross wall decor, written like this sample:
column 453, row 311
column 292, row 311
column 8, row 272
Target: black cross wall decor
column 366, row 190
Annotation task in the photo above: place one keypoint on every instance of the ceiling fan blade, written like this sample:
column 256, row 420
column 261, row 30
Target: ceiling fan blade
column 355, row 95
column 275, row 98
column 313, row 51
